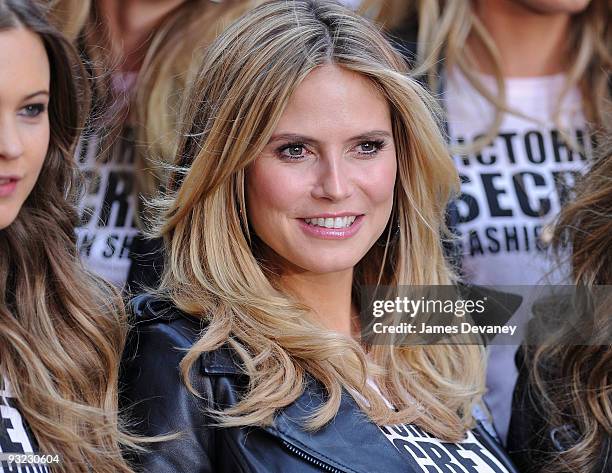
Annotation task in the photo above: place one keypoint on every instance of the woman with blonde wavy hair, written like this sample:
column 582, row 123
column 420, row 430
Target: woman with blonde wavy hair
column 139, row 54
column 525, row 84
column 62, row 330
column 309, row 166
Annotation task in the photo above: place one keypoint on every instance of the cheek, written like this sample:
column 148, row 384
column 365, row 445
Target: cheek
column 36, row 145
column 379, row 182
column 270, row 191
column 36, row 152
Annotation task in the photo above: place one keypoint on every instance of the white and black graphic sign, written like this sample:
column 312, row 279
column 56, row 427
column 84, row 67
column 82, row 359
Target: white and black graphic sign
column 108, row 211
column 14, row 434
column 434, row 456
column 515, row 197
column 513, row 187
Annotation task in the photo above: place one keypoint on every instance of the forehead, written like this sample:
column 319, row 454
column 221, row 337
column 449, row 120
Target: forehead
column 25, row 66
column 334, row 99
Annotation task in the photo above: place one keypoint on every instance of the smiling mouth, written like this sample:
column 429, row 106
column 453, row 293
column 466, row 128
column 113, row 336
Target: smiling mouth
column 330, row 222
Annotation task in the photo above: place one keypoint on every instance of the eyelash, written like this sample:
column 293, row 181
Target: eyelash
column 36, row 108
column 378, row 145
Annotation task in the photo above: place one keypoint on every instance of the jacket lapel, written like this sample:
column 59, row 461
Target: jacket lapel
column 350, row 442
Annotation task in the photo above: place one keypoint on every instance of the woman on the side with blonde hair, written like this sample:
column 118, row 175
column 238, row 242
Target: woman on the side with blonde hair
column 524, row 84
column 139, row 55
column 309, row 166
column 62, row 330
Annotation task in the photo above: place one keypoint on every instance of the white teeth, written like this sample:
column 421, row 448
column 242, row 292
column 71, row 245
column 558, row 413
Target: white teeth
column 338, row 222
column 4, row 181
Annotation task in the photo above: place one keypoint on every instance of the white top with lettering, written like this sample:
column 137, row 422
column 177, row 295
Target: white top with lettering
column 430, row 454
column 514, row 188
column 427, row 454
column 14, row 435
column 108, row 211
column 511, row 192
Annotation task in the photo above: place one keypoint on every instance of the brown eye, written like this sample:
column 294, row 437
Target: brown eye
column 295, row 150
column 369, row 147
column 292, row 151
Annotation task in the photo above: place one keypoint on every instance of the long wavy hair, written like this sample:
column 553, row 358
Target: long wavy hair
column 573, row 382
column 174, row 48
column 214, row 269
column 62, row 331
column 443, row 30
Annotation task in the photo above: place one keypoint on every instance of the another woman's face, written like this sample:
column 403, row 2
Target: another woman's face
column 24, row 122
column 321, row 193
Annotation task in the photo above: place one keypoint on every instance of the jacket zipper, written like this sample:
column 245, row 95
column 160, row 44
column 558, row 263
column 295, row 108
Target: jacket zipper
column 303, row 455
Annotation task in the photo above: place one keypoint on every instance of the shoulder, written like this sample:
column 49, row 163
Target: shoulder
column 154, row 396
column 153, row 387
column 162, row 334
column 152, row 314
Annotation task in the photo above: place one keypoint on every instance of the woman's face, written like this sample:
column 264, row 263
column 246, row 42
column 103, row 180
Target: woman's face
column 24, row 122
column 321, row 192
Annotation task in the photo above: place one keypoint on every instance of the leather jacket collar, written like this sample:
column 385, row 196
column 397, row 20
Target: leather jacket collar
column 348, row 444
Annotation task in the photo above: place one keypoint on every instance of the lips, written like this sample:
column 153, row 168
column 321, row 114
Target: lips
column 8, row 184
column 331, row 228
column 331, row 222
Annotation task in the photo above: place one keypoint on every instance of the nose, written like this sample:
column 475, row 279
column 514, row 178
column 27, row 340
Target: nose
column 11, row 143
column 334, row 181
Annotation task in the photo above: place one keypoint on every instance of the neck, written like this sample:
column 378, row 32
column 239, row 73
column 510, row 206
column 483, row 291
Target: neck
column 530, row 43
column 329, row 295
column 131, row 23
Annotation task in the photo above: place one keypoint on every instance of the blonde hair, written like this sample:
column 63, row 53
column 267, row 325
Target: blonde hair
column 212, row 268
column 62, row 331
column 443, row 31
column 175, row 47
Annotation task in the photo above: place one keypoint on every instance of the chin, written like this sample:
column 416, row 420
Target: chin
column 327, row 264
column 7, row 217
column 557, row 6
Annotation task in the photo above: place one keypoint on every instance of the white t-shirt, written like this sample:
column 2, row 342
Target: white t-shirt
column 514, row 188
column 15, row 437
column 431, row 454
column 108, row 211
column 511, row 191
column 426, row 453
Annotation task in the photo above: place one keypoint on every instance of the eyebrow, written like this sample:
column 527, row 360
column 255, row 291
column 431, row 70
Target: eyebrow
column 307, row 139
column 40, row 92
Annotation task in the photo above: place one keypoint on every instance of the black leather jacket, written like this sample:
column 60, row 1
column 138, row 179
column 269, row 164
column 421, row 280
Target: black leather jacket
column 160, row 403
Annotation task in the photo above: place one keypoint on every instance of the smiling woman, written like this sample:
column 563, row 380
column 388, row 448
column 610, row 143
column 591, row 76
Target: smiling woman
column 325, row 176
column 309, row 166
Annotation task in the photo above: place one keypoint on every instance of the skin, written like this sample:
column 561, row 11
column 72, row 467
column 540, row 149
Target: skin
column 131, row 23
column 346, row 163
column 24, row 122
column 531, row 35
